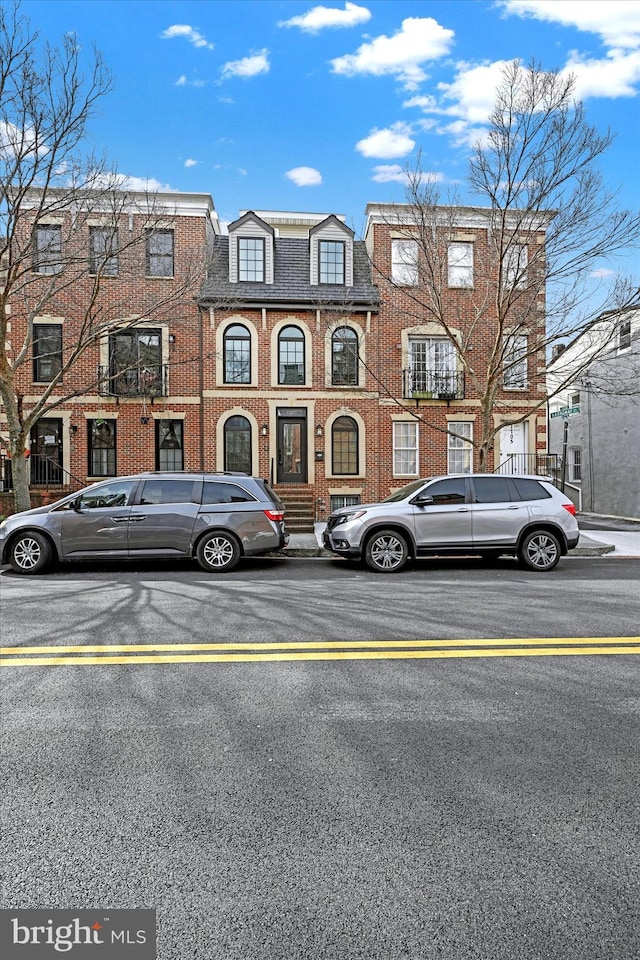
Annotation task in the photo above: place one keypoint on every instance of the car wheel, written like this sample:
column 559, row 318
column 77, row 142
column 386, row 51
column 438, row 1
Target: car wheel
column 218, row 552
column 387, row 552
column 30, row 553
column 540, row 551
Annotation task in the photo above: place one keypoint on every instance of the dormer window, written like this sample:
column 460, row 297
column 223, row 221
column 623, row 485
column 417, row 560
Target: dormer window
column 251, row 259
column 331, row 261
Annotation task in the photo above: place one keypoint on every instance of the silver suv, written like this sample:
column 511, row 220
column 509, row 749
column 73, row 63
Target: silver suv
column 214, row 518
column 484, row 513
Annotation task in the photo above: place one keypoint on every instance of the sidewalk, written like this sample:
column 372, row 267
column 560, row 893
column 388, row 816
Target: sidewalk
column 596, row 543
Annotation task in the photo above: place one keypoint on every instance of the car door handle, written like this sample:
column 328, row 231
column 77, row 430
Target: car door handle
column 138, row 516
column 516, row 506
column 120, row 519
column 462, row 510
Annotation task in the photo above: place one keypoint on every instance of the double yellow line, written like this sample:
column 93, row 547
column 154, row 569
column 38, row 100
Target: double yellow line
column 92, row 654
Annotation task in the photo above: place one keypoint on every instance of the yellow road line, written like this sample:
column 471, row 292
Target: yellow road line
column 309, row 645
column 325, row 655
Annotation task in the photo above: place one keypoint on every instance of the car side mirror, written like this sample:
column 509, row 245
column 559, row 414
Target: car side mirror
column 423, row 501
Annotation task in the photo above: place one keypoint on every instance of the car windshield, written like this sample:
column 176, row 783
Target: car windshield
column 406, row 491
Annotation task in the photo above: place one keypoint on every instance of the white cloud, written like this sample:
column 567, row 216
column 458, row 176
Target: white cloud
column 141, row 184
column 616, row 22
column 191, row 163
column 402, row 55
column 393, row 173
column 249, row 66
column 388, row 143
column 305, row 176
column 615, row 76
column 602, row 274
column 426, row 103
column 320, row 18
column 183, row 81
column 189, row 33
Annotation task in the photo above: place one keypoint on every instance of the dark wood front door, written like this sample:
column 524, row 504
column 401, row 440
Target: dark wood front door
column 292, row 450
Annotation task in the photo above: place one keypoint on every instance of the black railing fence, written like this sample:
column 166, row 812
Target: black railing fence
column 433, row 384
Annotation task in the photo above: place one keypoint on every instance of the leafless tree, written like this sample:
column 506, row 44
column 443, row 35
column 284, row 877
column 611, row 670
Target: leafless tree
column 49, row 176
column 551, row 226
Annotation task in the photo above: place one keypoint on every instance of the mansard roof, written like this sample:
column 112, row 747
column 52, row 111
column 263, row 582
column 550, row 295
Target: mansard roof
column 291, row 284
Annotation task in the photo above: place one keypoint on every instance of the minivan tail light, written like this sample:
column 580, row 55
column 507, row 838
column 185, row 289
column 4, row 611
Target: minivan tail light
column 571, row 507
column 276, row 515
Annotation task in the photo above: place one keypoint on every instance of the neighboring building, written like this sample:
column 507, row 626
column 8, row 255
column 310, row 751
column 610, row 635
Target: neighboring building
column 295, row 360
column 601, row 408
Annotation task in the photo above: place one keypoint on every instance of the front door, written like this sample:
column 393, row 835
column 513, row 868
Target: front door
column 512, row 442
column 292, row 449
column 46, row 451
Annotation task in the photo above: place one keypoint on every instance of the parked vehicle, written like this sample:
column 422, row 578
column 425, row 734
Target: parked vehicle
column 214, row 518
column 487, row 514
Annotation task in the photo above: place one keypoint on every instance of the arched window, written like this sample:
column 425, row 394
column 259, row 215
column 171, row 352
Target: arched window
column 344, row 357
column 237, row 354
column 344, row 446
column 237, row 444
column 291, row 355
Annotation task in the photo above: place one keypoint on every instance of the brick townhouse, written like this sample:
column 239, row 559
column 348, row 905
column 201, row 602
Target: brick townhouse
column 295, row 358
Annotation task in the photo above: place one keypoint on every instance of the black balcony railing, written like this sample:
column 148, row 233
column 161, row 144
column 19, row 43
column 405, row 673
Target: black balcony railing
column 541, row 464
column 433, row 384
column 44, row 471
column 133, row 382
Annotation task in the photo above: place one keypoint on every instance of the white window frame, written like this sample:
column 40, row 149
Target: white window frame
column 624, row 334
column 515, row 367
column 405, row 448
column 575, row 464
column 404, row 262
column 460, row 447
column 460, row 265
column 514, row 266
column 432, row 365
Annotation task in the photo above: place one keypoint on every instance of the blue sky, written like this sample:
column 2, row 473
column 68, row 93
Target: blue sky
column 280, row 104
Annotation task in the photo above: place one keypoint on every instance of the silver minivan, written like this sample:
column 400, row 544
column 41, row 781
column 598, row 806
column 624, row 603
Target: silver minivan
column 487, row 514
column 214, row 518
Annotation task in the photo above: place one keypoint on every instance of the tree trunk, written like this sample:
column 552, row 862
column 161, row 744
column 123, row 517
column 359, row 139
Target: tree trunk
column 20, row 471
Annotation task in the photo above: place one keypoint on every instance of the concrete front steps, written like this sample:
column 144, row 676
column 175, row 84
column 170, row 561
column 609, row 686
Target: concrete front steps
column 300, row 506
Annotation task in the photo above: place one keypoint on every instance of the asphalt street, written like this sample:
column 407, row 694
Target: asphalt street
column 459, row 808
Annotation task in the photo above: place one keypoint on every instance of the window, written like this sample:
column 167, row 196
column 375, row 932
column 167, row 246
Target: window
column 432, row 367
column 46, row 451
column 337, row 501
column 237, row 354
column 47, row 254
column 101, row 445
column 492, row 490
column 460, row 264
column 445, row 492
column 116, row 494
column 530, row 489
column 217, row 491
column 237, row 444
column 251, row 259
column 331, row 261
column 159, row 253
column 169, row 445
column 574, row 399
column 624, row 335
column 404, row 262
column 344, row 446
column 459, row 448
column 405, row 449
column 344, row 357
column 515, row 266
column 135, row 367
column 515, row 363
column 291, row 356
column 575, row 464
column 47, row 351
column 103, row 244
column 155, row 492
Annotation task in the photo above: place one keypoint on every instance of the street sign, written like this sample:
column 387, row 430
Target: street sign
column 565, row 411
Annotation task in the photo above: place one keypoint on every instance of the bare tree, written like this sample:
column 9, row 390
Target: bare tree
column 53, row 191
column 550, row 223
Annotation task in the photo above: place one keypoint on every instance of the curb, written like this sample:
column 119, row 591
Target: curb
column 320, row 552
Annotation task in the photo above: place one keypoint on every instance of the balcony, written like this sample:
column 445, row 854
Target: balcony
column 133, row 382
column 433, row 384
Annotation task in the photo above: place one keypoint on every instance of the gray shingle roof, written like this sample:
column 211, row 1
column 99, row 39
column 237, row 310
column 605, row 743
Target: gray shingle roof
column 291, row 280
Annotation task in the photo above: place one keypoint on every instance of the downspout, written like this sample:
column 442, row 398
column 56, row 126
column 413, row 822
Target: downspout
column 201, row 385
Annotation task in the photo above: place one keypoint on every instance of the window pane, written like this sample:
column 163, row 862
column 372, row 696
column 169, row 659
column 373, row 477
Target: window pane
column 135, row 363
column 219, row 492
column 108, row 495
column 460, row 264
column 251, row 259
column 448, row 491
column 432, row 366
column 515, row 363
column 102, row 241
column 530, row 489
column 404, row 262
column 331, row 261
column 160, row 253
column 337, row 501
column 515, row 266
column 47, row 351
column 169, row 491
column 460, row 450
column 169, row 445
column 405, row 449
column 237, row 355
column 237, row 445
column 102, row 447
column 291, row 356
column 48, row 250
column 492, row 490
column 345, row 446
column 344, row 357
